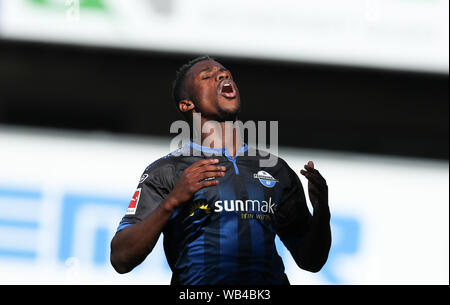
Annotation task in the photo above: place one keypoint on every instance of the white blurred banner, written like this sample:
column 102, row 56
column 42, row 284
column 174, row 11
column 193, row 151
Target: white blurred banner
column 62, row 196
column 395, row 34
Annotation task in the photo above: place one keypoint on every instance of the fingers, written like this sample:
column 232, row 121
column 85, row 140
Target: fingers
column 207, row 172
column 201, row 163
column 198, row 183
column 207, row 168
column 205, row 183
column 314, row 178
column 313, row 175
column 211, row 174
column 204, row 165
column 197, row 176
column 208, row 183
column 204, row 169
column 310, row 167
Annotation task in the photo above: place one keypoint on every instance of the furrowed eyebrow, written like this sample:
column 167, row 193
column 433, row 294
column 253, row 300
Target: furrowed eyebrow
column 207, row 69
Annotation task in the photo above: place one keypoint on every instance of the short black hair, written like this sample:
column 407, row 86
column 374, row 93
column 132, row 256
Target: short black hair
column 178, row 88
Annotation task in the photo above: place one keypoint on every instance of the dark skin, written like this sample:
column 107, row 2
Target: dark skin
column 130, row 246
column 203, row 86
column 313, row 253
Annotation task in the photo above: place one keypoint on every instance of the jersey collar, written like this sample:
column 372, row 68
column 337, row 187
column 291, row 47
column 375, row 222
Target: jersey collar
column 218, row 151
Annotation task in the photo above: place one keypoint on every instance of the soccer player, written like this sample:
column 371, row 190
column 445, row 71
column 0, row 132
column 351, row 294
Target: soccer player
column 218, row 209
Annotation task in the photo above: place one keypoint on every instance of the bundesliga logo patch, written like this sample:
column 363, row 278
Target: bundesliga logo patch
column 265, row 178
column 134, row 202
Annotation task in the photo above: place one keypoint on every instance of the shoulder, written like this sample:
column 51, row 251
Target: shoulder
column 164, row 166
column 268, row 160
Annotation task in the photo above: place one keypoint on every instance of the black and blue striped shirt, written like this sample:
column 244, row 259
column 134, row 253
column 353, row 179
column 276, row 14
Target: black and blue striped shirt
column 226, row 233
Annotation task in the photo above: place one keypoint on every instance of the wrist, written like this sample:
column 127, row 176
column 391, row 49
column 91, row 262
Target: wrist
column 322, row 212
column 170, row 204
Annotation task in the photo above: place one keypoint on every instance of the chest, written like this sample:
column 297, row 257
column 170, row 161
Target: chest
column 246, row 190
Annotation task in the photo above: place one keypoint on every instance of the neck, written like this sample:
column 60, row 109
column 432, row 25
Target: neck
column 219, row 135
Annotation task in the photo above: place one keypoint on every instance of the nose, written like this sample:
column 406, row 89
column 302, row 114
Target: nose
column 223, row 75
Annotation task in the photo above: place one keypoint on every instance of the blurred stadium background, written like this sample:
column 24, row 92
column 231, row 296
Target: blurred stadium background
column 358, row 86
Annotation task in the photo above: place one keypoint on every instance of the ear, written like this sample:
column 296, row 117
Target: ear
column 185, row 105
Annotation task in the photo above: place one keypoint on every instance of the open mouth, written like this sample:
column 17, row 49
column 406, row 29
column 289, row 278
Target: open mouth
column 226, row 89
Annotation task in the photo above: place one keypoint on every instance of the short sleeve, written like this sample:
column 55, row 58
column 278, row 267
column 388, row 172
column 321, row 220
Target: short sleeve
column 292, row 216
column 153, row 187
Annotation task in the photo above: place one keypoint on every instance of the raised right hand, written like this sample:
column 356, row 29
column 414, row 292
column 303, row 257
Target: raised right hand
column 192, row 180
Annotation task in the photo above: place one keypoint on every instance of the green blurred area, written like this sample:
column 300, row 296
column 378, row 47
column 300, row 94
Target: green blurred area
column 84, row 4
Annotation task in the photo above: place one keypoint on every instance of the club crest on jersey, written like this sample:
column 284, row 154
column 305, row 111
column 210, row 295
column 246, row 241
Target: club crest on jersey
column 134, row 202
column 265, row 178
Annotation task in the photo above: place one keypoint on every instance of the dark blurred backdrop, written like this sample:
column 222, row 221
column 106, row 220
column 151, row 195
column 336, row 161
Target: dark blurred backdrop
column 317, row 106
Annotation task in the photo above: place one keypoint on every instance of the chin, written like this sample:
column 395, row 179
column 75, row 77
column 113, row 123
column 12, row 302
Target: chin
column 229, row 109
column 227, row 114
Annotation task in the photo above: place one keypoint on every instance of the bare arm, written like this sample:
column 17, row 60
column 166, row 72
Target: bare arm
column 132, row 245
column 312, row 253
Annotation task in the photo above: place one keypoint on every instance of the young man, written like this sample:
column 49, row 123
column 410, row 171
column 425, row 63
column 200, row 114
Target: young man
column 218, row 208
